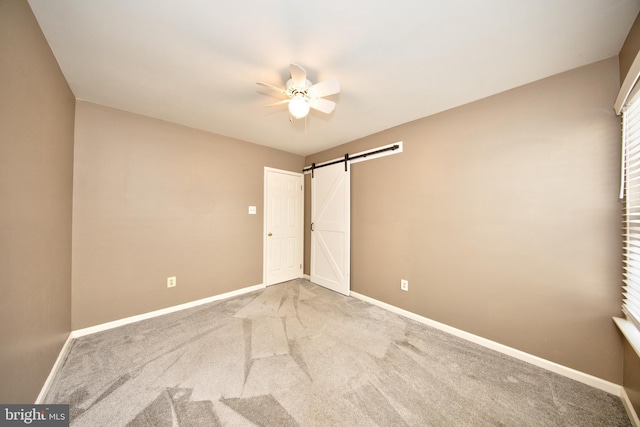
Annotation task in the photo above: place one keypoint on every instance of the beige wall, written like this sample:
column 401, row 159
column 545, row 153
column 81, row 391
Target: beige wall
column 631, row 380
column 36, row 149
column 503, row 215
column 629, row 49
column 153, row 200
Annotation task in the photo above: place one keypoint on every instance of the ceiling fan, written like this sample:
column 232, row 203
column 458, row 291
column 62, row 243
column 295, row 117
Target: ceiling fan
column 302, row 95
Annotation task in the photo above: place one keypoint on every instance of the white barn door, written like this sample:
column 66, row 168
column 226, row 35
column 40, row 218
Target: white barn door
column 331, row 227
column 283, row 226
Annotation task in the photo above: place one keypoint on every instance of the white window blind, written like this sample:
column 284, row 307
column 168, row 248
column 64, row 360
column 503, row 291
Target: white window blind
column 631, row 211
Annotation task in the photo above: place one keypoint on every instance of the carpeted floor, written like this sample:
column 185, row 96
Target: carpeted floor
column 298, row 354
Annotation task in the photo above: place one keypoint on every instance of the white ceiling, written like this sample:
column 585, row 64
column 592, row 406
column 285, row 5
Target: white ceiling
column 195, row 62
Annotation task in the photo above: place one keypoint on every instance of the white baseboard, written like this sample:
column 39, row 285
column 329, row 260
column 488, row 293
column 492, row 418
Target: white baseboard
column 54, row 370
column 628, row 406
column 582, row 377
column 306, row 276
column 121, row 322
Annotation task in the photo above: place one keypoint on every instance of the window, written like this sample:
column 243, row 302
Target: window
column 631, row 210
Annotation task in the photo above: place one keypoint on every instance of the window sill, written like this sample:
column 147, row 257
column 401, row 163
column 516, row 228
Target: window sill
column 630, row 332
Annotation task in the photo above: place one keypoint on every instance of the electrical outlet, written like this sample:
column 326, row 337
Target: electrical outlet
column 171, row 282
column 404, row 285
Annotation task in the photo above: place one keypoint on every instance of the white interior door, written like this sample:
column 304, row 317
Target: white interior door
column 331, row 227
column 283, row 226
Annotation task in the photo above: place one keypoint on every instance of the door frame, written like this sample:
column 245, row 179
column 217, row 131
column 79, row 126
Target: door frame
column 264, row 220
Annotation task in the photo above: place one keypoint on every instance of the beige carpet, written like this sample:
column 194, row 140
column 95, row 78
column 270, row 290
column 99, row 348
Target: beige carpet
column 298, row 354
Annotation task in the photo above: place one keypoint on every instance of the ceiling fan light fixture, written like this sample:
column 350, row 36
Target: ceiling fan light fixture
column 299, row 107
column 302, row 95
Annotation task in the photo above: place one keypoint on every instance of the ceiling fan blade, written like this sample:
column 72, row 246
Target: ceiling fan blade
column 298, row 75
column 326, row 88
column 284, row 101
column 272, row 87
column 323, row 105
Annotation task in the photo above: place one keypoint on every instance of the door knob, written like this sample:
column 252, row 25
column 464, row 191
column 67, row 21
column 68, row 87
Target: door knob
column 269, row 234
